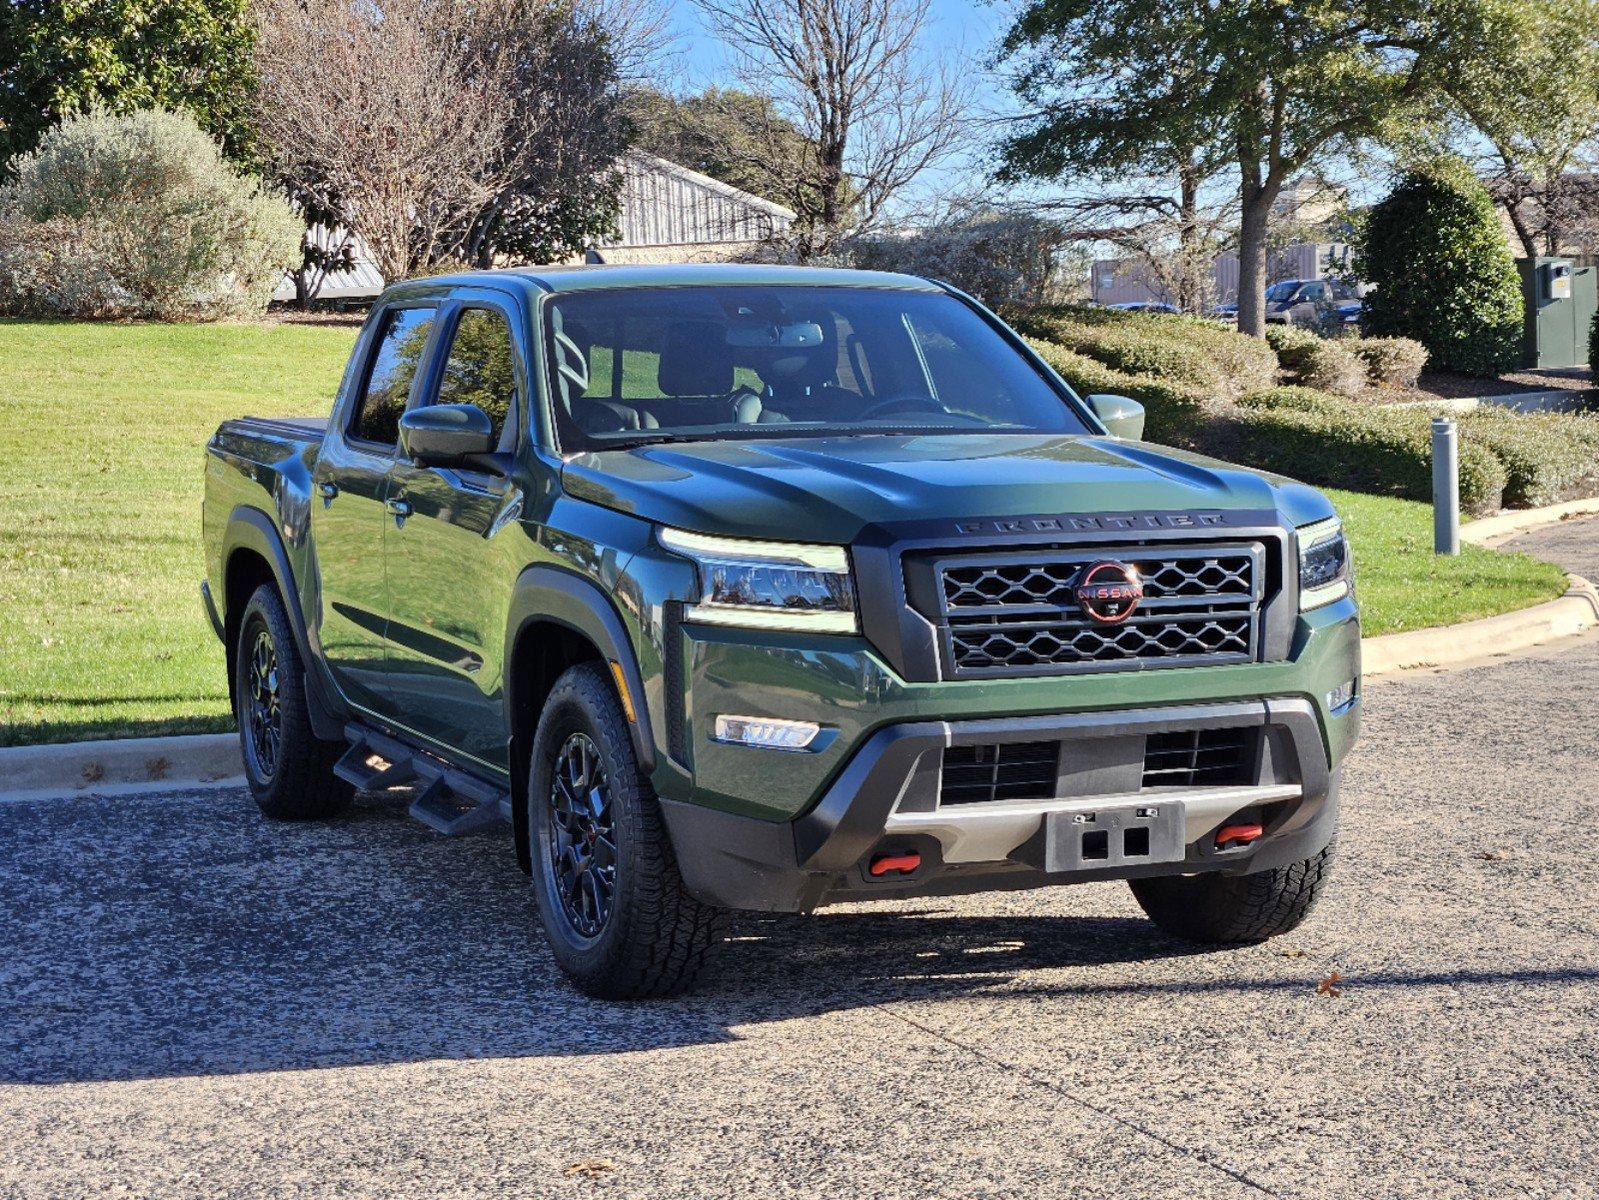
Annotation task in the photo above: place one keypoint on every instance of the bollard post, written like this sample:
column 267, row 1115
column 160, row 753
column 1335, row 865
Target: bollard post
column 1445, row 486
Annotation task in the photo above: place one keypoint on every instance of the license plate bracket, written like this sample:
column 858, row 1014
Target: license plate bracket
column 1114, row 835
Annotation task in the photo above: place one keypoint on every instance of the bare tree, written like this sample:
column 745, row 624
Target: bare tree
column 444, row 129
column 378, row 118
column 875, row 106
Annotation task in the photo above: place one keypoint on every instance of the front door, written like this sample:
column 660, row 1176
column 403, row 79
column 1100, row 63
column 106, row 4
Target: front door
column 349, row 521
column 449, row 557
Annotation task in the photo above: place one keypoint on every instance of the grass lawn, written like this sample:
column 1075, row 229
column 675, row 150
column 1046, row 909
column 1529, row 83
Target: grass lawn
column 102, row 432
column 102, row 437
column 1402, row 584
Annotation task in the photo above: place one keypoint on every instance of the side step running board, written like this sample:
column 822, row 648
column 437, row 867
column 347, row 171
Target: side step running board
column 447, row 800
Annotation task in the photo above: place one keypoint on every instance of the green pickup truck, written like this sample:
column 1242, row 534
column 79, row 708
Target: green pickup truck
column 764, row 588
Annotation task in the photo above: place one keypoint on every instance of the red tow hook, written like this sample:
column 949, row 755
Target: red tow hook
column 1240, row 835
column 900, row 864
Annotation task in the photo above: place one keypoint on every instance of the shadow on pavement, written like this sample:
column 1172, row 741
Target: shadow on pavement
column 174, row 935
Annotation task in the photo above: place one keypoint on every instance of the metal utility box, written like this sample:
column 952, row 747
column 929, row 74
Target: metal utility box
column 1561, row 297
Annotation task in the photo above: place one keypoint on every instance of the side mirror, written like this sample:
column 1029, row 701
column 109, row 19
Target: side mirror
column 446, row 435
column 1124, row 418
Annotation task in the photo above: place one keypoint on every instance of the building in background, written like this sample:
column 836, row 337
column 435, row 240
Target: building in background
column 669, row 214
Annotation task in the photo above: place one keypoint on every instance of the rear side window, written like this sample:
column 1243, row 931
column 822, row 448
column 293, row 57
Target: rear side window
column 388, row 380
column 480, row 369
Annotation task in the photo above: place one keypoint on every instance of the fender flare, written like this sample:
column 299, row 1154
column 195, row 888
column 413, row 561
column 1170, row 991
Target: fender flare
column 547, row 593
column 251, row 529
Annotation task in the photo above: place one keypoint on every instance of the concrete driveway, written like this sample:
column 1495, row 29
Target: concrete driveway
column 194, row 1002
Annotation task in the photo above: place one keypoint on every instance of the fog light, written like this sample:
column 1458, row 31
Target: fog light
column 1341, row 697
column 766, row 732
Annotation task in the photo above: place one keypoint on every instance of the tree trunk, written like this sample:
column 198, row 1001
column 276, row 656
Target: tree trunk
column 1252, row 229
column 1190, row 288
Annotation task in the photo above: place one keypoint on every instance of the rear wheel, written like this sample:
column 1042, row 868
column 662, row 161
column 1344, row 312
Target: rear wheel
column 1234, row 909
column 609, row 894
column 288, row 768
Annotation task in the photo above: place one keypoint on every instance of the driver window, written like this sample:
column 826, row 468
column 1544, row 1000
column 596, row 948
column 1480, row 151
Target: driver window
column 481, row 369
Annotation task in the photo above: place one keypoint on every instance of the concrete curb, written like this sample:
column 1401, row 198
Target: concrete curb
column 1507, row 633
column 119, row 766
column 1490, row 531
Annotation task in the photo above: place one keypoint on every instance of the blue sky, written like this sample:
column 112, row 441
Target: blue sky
column 955, row 25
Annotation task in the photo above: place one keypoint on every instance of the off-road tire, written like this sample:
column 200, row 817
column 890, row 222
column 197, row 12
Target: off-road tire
column 301, row 786
column 1234, row 909
column 656, row 937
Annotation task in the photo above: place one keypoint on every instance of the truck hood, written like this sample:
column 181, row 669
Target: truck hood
column 829, row 489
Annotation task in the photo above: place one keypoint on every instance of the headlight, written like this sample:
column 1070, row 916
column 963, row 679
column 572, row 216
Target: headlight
column 769, row 585
column 1326, row 572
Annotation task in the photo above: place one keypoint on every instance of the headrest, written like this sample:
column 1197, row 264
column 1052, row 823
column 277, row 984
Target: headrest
column 695, row 360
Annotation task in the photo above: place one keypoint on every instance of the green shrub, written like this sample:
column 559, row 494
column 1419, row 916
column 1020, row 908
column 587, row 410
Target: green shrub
column 1363, row 448
column 149, row 221
column 1316, row 362
column 1548, row 457
column 1593, row 347
column 1442, row 272
column 1220, row 361
column 1173, row 410
column 1390, row 361
column 1293, row 396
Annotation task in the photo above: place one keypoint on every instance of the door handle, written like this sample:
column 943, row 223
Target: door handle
column 327, row 491
column 400, row 508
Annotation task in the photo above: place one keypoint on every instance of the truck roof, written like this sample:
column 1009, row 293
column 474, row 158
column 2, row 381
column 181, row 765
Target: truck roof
column 593, row 277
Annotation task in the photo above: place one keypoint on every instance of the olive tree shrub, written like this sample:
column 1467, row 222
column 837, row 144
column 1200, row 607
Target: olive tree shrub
column 138, row 215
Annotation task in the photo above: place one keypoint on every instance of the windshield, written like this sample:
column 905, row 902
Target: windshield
column 635, row 365
column 1282, row 290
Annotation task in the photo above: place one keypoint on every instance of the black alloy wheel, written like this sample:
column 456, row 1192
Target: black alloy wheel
column 263, row 710
column 582, row 841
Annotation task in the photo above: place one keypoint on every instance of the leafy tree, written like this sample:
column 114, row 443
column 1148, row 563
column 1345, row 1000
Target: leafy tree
column 725, row 133
column 1542, row 130
column 1273, row 84
column 1442, row 272
column 64, row 56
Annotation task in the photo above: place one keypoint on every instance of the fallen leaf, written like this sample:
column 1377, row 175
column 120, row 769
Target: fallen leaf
column 1293, row 952
column 93, row 773
column 1331, row 986
column 590, row 1168
column 1490, row 856
column 158, row 768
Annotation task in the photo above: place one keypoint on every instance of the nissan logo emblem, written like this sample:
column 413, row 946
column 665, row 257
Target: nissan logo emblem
column 1109, row 592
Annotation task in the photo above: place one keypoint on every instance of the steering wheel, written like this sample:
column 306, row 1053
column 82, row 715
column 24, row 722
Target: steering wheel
column 896, row 404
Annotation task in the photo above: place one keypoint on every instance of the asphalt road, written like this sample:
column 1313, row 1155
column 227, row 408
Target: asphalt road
column 194, row 1002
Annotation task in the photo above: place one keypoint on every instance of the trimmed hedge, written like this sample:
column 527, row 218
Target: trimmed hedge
column 1394, row 362
column 1545, row 458
column 1218, row 361
column 1385, row 451
column 1173, row 410
column 1548, row 457
column 1316, row 362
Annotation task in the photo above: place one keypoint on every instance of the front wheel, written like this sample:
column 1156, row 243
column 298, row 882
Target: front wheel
column 609, row 894
column 1234, row 909
column 289, row 769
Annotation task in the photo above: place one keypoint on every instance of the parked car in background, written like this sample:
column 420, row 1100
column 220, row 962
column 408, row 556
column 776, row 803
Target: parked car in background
column 1155, row 306
column 1321, row 304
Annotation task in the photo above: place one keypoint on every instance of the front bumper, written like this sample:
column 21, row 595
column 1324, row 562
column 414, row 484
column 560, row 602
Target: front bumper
column 886, row 800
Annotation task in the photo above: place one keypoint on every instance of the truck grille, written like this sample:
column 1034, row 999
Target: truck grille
column 1018, row 615
column 1006, row 771
column 1199, row 758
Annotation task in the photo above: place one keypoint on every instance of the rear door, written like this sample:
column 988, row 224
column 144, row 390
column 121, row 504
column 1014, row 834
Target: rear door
column 349, row 520
column 449, row 570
